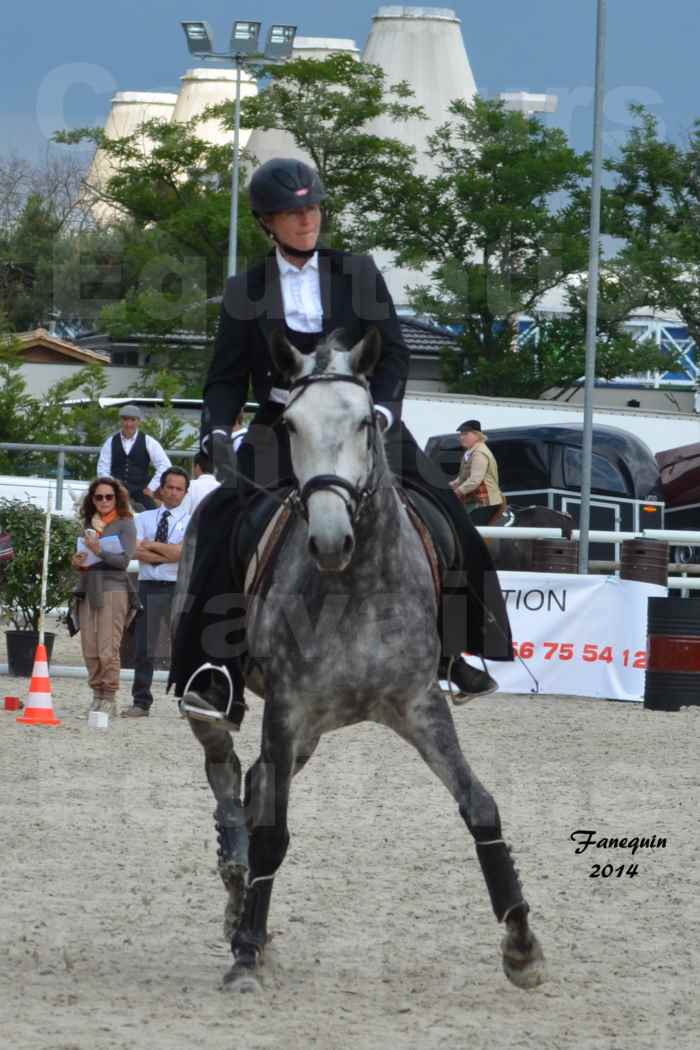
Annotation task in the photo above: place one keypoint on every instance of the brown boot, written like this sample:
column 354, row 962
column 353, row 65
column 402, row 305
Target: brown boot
column 110, row 704
column 96, row 704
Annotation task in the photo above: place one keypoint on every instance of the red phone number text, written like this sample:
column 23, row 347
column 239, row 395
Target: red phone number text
column 588, row 653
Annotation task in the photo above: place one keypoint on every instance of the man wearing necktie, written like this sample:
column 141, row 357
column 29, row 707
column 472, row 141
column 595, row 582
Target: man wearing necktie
column 159, row 533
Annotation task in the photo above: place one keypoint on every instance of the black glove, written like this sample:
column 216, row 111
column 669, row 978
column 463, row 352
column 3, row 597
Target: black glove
column 205, row 438
column 217, row 445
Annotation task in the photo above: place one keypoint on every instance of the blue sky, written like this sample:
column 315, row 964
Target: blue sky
column 61, row 63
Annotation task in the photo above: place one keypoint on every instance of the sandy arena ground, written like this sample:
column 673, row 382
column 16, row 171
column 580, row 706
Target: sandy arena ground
column 383, row 937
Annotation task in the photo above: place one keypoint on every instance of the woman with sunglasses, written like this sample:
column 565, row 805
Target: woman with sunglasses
column 104, row 593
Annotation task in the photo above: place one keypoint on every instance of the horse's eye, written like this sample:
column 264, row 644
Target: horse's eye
column 367, row 422
column 290, row 426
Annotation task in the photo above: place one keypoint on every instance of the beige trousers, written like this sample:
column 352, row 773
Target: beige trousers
column 101, row 633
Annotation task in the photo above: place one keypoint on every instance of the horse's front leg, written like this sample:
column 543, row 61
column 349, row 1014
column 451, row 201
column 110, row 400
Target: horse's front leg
column 268, row 784
column 223, row 769
column 428, row 725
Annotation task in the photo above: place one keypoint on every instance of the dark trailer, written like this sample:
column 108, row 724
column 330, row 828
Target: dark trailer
column 542, row 466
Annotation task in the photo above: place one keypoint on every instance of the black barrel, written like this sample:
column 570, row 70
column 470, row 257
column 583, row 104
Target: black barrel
column 672, row 678
column 555, row 556
column 645, row 560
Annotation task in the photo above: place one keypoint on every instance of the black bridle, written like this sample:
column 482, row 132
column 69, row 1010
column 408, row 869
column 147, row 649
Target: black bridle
column 359, row 497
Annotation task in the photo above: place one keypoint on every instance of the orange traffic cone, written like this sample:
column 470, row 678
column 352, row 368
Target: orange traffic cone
column 39, row 707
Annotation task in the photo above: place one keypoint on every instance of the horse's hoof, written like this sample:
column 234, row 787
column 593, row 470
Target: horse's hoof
column 241, row 979
column 524, row 968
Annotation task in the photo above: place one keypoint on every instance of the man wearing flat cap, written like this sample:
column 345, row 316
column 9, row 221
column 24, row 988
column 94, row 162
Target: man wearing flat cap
column 133, row 458
column 477, row 485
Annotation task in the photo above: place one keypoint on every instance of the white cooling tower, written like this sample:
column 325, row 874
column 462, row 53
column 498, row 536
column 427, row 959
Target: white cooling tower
column 129, row 110
column 264, row 145
column 319, row 47
column 209, row 87
column 424, row 46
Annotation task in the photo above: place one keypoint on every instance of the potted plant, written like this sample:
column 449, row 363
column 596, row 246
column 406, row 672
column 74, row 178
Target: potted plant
column 20, row 579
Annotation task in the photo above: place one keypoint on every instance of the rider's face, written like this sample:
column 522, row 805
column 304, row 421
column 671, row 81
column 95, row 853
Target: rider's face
column 298, row 228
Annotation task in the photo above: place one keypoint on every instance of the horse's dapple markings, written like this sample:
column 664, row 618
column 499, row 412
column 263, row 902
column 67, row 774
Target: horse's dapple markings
column 348, row 629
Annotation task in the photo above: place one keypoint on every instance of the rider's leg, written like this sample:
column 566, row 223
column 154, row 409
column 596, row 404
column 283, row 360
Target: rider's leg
column 198, row 637
column 212, row 636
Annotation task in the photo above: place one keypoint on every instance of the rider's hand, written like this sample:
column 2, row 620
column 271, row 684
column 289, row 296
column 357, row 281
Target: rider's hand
column 381, row 421
column 218, row 447
column 205, row 439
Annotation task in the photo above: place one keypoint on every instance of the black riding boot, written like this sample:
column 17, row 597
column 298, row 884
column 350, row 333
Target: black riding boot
column 468, row 681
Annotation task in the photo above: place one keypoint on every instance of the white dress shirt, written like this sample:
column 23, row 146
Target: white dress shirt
column 146, row 526
column 303, row 310
column 301, row 294
column 156, row 453
column 199, row 488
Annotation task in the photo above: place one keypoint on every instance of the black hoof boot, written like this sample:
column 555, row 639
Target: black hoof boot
column 232, row 835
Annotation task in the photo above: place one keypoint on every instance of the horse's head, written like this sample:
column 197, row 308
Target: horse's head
column 333, row 438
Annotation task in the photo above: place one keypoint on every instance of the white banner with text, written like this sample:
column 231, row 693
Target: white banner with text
column 575, row 635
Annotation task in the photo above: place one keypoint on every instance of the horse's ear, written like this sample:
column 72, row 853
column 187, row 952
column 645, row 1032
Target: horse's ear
column 365, row 354
column 285, row 357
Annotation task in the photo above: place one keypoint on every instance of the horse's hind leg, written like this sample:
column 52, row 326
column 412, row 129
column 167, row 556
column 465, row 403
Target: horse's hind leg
column 429, row 727
column 223, row 770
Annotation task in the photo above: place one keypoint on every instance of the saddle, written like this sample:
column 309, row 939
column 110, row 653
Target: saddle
column 263, row 526
column 259, row 532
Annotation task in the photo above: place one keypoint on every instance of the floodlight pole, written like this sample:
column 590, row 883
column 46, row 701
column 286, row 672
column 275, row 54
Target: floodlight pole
column 233, row 227
column 592, row 302
column 278, row 48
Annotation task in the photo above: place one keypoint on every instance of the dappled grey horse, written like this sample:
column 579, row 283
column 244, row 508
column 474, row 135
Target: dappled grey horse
column 346, row 633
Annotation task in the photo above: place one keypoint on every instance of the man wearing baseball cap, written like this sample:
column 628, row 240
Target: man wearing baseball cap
column 133, row 458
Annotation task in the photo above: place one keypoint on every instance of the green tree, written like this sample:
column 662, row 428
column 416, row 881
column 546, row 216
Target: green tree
column 26, row 264
column 502, row 221
column 327, row 106
column 175, row 201
column 15, row 403
column 173, row 245
column 654, row 207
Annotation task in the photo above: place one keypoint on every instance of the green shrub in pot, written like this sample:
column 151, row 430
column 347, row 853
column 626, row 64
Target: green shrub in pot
column 20, row 579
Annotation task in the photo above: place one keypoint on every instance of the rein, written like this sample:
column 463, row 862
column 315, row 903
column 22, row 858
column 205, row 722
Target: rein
column 360, row 498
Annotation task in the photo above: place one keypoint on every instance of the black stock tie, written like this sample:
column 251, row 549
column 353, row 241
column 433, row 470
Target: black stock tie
column 162, row 530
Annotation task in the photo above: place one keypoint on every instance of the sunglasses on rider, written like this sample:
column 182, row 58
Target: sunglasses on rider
column 101, row 497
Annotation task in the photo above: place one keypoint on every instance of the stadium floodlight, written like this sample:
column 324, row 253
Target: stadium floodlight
column 280, row 42
column 526, row 102
column 244, row 38
column 244, row 54
column 199, row 39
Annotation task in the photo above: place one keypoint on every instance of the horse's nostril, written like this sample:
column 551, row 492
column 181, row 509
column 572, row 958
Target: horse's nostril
column 348, row 545
column 313, row 548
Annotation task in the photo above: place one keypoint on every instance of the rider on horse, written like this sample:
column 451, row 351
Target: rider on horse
column 306, row 292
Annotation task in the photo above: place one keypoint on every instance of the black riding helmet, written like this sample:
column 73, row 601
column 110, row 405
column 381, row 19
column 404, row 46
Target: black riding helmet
column 284, row 184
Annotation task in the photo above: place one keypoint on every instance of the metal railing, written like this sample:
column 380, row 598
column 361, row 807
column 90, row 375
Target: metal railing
column 78, row 450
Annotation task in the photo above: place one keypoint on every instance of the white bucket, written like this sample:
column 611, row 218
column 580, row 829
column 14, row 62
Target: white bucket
column 98, row 720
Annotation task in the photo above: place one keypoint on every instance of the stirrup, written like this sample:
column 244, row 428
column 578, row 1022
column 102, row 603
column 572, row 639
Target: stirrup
column 193, row 705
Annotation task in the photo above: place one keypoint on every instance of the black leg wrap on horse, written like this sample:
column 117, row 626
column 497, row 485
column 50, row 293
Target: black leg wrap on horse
column 500, row 873
column 501, row 878
column 232, row 833
column 250, row 937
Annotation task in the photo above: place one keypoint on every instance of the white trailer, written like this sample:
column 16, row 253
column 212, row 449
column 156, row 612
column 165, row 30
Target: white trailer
column 428, row 414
